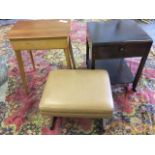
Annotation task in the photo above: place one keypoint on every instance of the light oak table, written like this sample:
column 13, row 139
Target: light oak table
column 40, row 35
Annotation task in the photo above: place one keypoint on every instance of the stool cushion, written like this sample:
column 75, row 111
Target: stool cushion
column 77, row 93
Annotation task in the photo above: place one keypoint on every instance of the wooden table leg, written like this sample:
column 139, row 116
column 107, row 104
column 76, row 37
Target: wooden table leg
column 21, row 69
column 32, row 60
column 71, row 54
column 67, row 55
column 139, row 71
column 141, row 66
column 93, row 58
column 93, row 64
column 87, row 52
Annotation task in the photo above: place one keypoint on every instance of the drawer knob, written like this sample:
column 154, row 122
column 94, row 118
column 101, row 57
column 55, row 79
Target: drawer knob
column 122, row 49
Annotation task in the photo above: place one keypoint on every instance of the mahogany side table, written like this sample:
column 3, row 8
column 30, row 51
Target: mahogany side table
column 109, row 42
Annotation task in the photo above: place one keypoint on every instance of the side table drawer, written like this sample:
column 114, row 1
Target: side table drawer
column 119, row 51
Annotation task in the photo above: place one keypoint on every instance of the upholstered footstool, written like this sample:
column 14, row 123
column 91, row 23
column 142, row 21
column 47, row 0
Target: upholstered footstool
column 77, row 93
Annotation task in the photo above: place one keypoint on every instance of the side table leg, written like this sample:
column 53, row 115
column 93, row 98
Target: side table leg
column 71, row 54
column 93, row 58
column 21, row 69
column 87, row 52
column 67, row 55
column 32, row 60
column 139, row 71
column 141, row 66
column 93, row 64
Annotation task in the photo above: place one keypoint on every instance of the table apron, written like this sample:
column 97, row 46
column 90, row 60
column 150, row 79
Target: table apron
column 119, row 52
column 40, row 44
column 103, row 55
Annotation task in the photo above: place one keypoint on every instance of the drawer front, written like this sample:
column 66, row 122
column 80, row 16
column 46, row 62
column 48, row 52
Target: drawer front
column 39, row 44
column 120, row 51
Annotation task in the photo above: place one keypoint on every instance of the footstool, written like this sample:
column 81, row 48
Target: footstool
column 77, row 93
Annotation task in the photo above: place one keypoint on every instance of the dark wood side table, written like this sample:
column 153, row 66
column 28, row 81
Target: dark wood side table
column 109, row 42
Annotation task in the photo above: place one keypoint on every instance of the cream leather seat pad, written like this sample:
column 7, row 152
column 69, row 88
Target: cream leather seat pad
column 77, row 91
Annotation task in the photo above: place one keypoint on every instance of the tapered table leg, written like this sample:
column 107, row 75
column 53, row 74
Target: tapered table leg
column 87, row 52
column 93, row 58
column 67, row 55
column 21, row 69
column 32, row 60
column 139, row 71
column 72, row 54
column 140, row 68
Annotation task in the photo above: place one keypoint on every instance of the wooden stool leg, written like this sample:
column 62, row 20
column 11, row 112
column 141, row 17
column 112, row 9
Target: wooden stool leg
column 105, row 122
column 32, row 60
column 67, row 55
column 53, row 122
column 21, row 69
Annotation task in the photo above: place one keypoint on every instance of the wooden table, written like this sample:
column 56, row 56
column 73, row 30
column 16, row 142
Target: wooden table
column 109, row 42
column 40, row 35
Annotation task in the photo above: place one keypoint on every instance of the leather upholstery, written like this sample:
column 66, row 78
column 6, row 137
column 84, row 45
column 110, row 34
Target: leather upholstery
column 77, row 93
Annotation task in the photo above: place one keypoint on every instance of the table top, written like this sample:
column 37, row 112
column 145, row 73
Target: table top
column 116, row 31
column 35, row 29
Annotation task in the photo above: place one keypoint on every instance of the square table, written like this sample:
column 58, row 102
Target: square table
column 40, row 35
column 113, row 41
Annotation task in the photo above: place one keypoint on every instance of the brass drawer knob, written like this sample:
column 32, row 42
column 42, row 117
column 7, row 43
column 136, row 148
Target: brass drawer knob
column 122, row 49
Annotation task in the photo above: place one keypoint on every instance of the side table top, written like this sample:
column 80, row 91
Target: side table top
column 35, row 29
column 115, row 31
